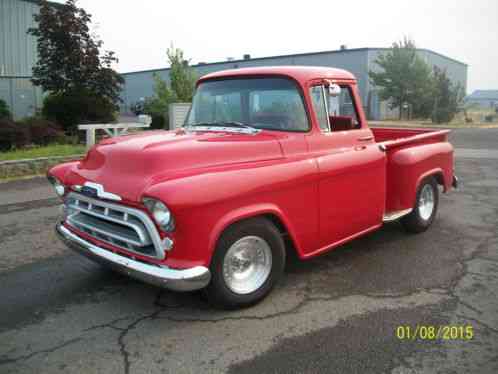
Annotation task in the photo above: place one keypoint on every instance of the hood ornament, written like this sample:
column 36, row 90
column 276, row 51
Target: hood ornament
column 95, row 190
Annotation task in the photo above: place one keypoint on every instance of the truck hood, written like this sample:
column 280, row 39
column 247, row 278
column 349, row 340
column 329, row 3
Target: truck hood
column 127, row 165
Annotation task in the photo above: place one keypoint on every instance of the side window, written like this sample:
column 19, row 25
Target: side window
column 319, row 106
column 342, row 111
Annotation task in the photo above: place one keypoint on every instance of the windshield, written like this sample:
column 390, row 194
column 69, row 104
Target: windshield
column 262, row 103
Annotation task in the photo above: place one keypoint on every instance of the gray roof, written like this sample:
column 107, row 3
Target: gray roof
column 483, row 95
column 38, row 2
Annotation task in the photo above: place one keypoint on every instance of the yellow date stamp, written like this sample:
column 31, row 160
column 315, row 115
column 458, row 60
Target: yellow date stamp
column 435, row 332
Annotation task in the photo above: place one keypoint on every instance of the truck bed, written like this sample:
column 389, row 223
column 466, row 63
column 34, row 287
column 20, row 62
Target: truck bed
column 396, row 137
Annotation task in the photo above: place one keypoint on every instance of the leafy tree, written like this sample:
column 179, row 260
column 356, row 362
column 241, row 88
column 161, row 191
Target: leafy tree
column 182, row 77
column 181, row 88
column 69, row 57
column 404, row 78
column 447, row 97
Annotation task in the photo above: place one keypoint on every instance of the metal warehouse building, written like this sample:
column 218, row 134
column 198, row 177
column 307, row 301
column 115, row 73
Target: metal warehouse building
column 18, row 56
column 139, row 84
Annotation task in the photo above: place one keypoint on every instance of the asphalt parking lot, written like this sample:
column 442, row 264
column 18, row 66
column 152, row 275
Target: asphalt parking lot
column 338, row 313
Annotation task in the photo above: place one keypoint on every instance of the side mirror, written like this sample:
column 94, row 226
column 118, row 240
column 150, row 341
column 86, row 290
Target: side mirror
column 334, row 90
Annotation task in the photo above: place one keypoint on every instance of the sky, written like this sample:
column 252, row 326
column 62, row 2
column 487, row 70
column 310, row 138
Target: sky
column 209, row 31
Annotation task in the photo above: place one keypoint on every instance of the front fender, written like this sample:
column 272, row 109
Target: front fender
column 247, row 212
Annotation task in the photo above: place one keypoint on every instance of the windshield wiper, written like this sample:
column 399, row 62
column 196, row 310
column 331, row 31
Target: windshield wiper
column 235, row 124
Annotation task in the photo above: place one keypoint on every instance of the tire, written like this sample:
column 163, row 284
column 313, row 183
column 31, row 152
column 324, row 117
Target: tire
column 423, row 213
column 252, row 278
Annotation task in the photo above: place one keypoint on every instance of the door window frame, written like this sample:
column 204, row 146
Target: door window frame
column 324, row 98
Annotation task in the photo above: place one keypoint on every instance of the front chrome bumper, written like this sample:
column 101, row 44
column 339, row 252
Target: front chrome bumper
column 178, row 280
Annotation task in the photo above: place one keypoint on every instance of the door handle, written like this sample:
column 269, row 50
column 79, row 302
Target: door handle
column 365, row 138
column 360, row 147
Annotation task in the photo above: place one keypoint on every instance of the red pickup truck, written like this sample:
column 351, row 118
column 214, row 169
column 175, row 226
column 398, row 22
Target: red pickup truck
column 270, row 161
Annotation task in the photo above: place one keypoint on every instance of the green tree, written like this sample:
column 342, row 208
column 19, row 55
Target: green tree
column 181, row 75
column 70, row 61
column 447, row 98
column 404, row 77
column 181, row 88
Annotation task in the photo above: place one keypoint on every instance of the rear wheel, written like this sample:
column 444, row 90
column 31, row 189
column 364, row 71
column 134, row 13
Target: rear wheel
column 425, row 209
column 248, row 261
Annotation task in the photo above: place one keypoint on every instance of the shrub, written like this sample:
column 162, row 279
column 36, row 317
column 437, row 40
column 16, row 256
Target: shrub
column 4, row 110
column 75, row 108
column 12, row 135
column 43, row 132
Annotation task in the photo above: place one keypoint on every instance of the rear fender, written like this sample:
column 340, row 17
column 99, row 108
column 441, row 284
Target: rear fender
column 408, row 167
column 437, row 173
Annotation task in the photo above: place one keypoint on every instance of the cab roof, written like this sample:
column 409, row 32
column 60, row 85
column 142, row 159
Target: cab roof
column 301, row 74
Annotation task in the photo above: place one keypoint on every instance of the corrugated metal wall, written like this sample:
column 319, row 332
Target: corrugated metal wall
column 17, row 48
column 22, row 97
column 17, row 57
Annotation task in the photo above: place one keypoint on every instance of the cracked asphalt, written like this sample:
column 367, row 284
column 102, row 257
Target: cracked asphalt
column 338, row 313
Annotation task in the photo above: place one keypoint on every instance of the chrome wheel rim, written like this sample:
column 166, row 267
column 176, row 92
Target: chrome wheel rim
column 247, row 264
column 426, row 202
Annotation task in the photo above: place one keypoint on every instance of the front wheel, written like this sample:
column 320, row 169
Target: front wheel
column 248, row 261
column 425, row 209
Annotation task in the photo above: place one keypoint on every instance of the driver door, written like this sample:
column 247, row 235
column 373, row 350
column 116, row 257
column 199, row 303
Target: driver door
column 351, row 183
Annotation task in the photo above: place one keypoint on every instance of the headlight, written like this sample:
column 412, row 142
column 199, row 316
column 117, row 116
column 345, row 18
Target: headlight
column 161, row 214
column 59, row 188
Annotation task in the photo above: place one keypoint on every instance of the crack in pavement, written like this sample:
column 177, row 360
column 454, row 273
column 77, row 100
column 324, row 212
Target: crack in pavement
column 108, row 324
column 47, row 351
column 121, row 343
column 295, row 309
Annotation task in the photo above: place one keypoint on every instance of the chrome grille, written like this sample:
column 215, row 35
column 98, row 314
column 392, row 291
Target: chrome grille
column 119, row 225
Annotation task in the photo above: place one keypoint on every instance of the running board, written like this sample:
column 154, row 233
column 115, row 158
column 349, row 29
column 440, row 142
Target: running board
column 393, row 216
